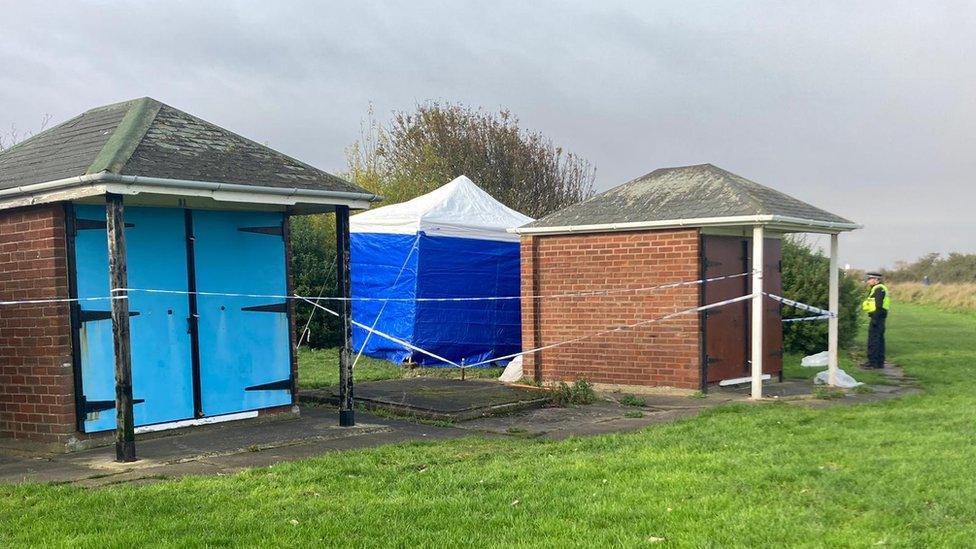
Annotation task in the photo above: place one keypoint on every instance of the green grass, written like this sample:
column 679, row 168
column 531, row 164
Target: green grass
column 897, row 473
column 633, row 400
column 319, row 368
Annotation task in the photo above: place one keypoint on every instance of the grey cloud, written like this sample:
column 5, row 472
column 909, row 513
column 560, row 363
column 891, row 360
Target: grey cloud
column 864, row 109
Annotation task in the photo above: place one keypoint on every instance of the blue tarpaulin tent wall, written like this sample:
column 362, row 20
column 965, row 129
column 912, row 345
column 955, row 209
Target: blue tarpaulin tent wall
column 451, row 243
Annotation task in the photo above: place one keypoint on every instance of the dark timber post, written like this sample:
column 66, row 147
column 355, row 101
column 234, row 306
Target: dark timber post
column 125, row 438
column 536, row 310
column 346, row 413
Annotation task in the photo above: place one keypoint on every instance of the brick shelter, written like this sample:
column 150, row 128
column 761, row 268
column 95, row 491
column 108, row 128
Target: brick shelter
column 180, row 205
column 591, row 277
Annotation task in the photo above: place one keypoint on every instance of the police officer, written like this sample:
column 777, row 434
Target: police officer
column 877, row 305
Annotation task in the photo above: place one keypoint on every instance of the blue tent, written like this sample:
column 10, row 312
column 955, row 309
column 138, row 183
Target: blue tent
column 409, row 260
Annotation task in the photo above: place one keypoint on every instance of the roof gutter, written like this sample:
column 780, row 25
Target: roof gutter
column 774, row 220
column 131, row 180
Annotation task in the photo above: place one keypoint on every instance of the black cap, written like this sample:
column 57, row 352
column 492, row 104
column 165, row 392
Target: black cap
column 874, row 274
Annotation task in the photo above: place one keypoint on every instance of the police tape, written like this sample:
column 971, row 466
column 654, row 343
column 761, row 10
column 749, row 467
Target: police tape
column 537, row 349
column 379, row 333
column 591, row 293
column 801, row 306
column 61, row 300
column 807, row 318
column 616, row 329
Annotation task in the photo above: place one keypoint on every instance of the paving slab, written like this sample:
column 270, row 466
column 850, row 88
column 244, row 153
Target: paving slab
column 439, row 399
column 559, row 423
column 776, row 389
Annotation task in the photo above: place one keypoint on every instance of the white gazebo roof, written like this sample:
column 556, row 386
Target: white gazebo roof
column 459, row 209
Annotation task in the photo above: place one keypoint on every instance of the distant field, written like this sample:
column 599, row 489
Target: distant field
column 957, row 297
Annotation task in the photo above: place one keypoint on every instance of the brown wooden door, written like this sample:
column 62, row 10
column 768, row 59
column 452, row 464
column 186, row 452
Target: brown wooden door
column 728, row 345
column 725, row 328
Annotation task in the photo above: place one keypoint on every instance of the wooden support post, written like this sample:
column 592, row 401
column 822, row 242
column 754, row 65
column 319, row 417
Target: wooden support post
column 125, row 438
column 536, row 312
column 346, row 412
column 758, row 241
column 834, row 305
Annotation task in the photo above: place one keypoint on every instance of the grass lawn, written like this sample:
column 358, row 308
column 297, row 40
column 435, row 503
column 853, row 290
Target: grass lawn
column 895, row 473
column 320, row 368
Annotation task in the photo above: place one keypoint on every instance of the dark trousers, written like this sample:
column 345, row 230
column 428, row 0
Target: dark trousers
column 876, row 340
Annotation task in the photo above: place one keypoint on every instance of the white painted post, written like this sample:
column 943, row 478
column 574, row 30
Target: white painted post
column 834, row 306
column 758, row 240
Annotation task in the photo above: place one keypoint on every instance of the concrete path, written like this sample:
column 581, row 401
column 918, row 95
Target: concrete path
column 231, row 447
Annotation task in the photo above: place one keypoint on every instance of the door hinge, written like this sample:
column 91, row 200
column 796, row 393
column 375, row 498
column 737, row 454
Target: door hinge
column 276, row 230
column 272, row 308
column 93, row 316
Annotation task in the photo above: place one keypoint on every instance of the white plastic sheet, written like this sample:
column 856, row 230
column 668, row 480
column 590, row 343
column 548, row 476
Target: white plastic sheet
column 844, row 380
column 459, row 208
column 818, row 360
column 513, row 372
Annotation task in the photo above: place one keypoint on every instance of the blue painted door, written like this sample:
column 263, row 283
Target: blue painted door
column 245, row 351
column 162, row 379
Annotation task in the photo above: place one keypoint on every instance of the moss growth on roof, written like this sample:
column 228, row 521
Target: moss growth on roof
column 127, row 136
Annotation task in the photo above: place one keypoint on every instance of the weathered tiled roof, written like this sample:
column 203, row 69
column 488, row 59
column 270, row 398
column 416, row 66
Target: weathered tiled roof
column 66, row 150
column 147, row 138
column 683, row 193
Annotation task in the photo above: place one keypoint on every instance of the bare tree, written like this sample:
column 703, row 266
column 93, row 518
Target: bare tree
column 14, row 135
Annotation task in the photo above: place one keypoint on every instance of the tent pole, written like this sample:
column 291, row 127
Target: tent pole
column 758, row 241
column 834, row 306
column 125, row 438
column 346, row 412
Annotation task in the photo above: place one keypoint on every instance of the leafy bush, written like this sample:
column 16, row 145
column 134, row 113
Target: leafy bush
column 313, row 271
column 805, row 279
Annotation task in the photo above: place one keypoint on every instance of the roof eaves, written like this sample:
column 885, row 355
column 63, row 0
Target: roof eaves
column 154, row 183
column 773, row 221
column 127, row 136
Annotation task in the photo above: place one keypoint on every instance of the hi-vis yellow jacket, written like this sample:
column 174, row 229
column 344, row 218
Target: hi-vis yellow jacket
column 870, row 304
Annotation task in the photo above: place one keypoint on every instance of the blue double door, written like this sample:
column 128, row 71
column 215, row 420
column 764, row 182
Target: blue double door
column 209, row 328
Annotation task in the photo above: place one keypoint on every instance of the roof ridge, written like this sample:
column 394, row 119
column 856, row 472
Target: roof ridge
column 126, row 137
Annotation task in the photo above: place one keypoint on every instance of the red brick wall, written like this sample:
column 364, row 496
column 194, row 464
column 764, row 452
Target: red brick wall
column 658, row 354
column 36, row 381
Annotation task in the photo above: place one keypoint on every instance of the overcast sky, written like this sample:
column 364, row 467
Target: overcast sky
column 864, row 109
